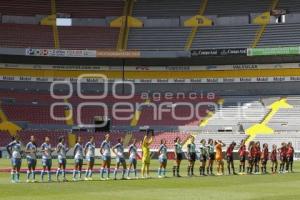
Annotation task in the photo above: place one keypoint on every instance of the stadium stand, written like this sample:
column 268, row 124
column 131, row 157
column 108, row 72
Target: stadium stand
column 169, row 137
column 40, row 136
column 88, row 37
column 77, row 8
column 33, row 114
column 234, row 7
column 292, row 6
column 90, row 8
column 171, row 8
column 276, row 35
column 166, row 8
column 25, row 7
column 5, row 138
column 226, row 138
column 225, row 37
column 12, row 35
column 158, row 38
column 235, row 111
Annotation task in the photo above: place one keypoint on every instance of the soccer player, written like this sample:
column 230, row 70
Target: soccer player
column 14, row 150
column 282, row 152
column 202, row 157
column 163, row 159
column 46, row 159
column 61, row 150
column 274, row 159
column 78, row 158
column 242, row 153
column 290, row 157
column 118, row 149
column 89, row 152
column 191, row 155
column 132, row 149
column 251, row 157
column 31, row 150
column 219, row 157
column 211, row 156
column 178, row 155
column 264, row 158
column 106, row 157
column 147, row 141
column 229, row 156
column 257, row 157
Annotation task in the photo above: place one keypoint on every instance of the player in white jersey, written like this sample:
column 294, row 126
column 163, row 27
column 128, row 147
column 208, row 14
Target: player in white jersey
column 162, row 159
column 118, row 149
column 132, row 150
column 31, row 150
column 106, row 157
column 78, row 157
column 89, row 151
column 61, row 150
column 14, row 151
column 46, row 159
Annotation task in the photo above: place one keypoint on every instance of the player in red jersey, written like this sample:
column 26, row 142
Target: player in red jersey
column 257, row 157
column 274, row 159
column 251, row 156
column 229, row 155
column 242, row 153
column 264, row 158
column 282, row 151
column 290, row 157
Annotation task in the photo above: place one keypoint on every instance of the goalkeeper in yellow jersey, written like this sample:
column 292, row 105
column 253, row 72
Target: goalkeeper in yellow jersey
column 147, row 141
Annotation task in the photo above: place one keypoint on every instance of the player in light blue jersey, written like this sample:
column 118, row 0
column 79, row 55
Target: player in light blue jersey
column 78, row 157
column 31, row 150
column 163, row 159
column 106, row 156
column 46, row 159
column 89, row 151
column 132, row 150
column 118, row 149
column 61, row 150
column 14, row 151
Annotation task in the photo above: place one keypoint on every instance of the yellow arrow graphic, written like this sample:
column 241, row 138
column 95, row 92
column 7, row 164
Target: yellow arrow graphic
column 262, row 128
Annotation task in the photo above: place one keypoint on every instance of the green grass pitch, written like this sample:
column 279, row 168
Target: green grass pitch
column 251, row 187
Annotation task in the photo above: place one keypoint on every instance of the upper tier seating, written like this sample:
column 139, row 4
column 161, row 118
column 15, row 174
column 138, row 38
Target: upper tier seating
column 175, row 8
column 25, row 36
column 166, row 8
column 36, row 36
column 207, row 37
column 25, row 7
column 277, row 35
column 225, row 37
column 76, row 8
column 292, row 6
column 158, row 38
column 90, row 8
column 88, row 37
column 237, row 7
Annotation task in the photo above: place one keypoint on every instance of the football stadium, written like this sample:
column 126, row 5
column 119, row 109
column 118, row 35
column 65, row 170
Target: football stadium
column 149, row 99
